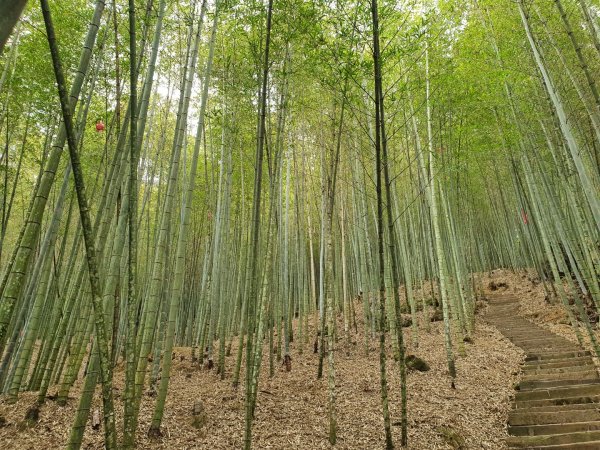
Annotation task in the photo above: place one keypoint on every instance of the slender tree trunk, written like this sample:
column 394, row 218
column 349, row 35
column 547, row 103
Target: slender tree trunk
column 254, row 338
column 129, row 415
column 380, row 241
column 10, row 12
column 88, row 234
column 436, row 225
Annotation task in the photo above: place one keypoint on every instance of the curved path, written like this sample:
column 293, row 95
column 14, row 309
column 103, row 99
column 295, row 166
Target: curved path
column 557, row 402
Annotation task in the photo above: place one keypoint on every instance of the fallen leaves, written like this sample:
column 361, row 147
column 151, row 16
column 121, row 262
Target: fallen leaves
column 292, row 406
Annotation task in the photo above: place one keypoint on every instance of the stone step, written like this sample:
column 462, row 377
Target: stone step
column 535, row 339
column 533, row 336
column 552, row 371
column 506, row 318
column 560, row 428
column 495, row 307
column 550, row 344
column 587, row 372
column 559, row 392
column 519, row 333
column 524, row 417
column 593, row 445
column 558, row 401
column 557, row 363
column 517, row 325
column 542, row 337
column 537, row 349
column 527, row 330
column 549, row 341
column 553, row 439
column 545, row 348
column 508, row 315
column 545, row 384
column 545, row 356
column 556, row 408
column 503, row 299
column 542, row 343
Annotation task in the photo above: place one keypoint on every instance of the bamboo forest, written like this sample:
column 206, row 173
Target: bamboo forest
column 299, row 224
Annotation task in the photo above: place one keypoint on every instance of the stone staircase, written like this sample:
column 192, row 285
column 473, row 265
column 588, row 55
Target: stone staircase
column 557, row 402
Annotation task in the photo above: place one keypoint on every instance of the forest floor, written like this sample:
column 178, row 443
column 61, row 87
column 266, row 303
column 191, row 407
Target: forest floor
column 292, row 410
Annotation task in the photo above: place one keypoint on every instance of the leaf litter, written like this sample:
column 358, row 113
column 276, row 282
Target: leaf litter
column 292, row 407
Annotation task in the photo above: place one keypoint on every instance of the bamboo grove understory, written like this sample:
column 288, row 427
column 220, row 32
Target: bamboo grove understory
column 233, row 177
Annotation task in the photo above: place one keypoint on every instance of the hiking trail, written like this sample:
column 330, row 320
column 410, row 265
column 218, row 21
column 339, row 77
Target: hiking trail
column 557, row 402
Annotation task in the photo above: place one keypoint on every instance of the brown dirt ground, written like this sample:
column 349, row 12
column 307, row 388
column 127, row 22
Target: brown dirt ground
column 292, row 406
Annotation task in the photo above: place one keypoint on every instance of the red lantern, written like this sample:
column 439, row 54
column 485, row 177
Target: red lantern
column 100, row 126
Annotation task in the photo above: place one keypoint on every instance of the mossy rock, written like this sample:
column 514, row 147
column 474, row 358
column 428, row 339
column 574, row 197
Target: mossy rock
column 32, row 416
column 199, row 417
column 437, row 316
column 493, row 286
column 415, row 363
column 452, row 438
column 198, row 422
